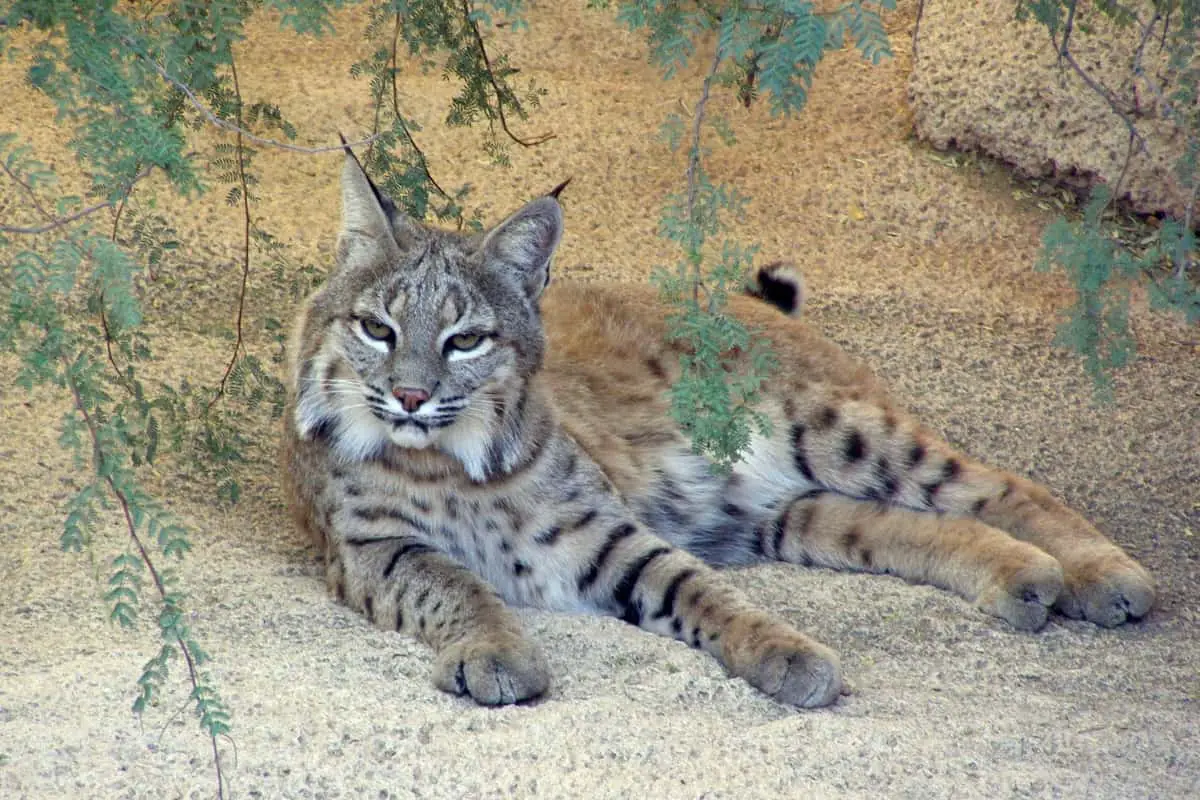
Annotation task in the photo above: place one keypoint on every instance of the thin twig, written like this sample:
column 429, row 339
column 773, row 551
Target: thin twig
column 241, row 304
column 108, row 342
column 916, row 47
column 1147, row 29
column 120, row 209
column 1181, row 257
column 54, row 222
column 97, row 457
column 693, row 167
column 1183, row 260
column 231, row 127
column 1108, row 97
column 29, row 190
column 400, row 118
column 1068, row 29
column 1064, row 54
column 1168, row 110
column 487, row 63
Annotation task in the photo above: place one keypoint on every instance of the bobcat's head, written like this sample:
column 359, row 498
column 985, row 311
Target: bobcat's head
column 423, row 338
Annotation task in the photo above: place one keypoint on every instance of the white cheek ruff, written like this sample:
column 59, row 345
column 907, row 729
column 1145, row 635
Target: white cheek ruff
column 359, row 433
column 312, row 409
column 462, row 355
column 339, row 412
column 469, row 441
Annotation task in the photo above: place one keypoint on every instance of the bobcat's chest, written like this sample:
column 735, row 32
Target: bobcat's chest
column 500, row 537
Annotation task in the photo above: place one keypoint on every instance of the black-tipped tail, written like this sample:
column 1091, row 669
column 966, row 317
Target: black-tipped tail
column 780, row 285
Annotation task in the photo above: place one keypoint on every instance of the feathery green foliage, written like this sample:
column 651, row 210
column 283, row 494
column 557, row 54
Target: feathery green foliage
column 769, row 47
column 131, row 83
column 1101, row 266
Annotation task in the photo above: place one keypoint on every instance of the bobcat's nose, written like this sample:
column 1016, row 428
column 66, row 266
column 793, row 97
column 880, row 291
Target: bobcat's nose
column 411, row 399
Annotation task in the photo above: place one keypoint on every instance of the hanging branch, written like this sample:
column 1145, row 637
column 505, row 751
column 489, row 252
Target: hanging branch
column 1064, row 54
column 1181, row 259
column 500, row 92
column 421, row 161
column 226, row 124
column 131, row 528
column 693, row 167
column 246, row 225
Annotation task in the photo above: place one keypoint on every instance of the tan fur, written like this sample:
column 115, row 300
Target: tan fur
column 598, row 503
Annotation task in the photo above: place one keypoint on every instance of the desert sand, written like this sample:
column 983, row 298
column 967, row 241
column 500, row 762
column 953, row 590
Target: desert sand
column 918, row 262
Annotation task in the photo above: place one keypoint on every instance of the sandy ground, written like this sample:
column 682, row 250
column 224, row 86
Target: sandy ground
column 919, row 265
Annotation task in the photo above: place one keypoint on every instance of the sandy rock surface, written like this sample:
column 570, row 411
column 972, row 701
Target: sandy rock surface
column 921, row 268
column 985, row 81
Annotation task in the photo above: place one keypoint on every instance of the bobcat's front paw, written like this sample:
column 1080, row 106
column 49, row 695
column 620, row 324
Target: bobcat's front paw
column 494, row 672
column 1108, row 589
column 1023, row 599
column 786, row 665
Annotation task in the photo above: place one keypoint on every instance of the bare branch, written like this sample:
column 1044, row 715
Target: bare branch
column 246, row 225
column 1108, row 96
column 400, row 119
column 916, row 37
column 131, row 528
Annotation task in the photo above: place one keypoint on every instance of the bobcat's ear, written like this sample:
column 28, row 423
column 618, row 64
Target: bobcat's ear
column 370, row 221
column 526, row 241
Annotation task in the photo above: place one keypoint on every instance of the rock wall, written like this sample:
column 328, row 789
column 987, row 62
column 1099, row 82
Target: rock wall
column 982, row 80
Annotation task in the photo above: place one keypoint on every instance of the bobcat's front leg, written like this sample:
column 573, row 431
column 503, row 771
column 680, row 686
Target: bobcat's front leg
column 403, row 584
column 640, row 578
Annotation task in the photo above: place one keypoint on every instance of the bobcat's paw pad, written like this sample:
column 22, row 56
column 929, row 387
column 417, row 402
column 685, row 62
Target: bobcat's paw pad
column 1023, row 599
column 1107, row 591
column 800, row 673
column 493, row 673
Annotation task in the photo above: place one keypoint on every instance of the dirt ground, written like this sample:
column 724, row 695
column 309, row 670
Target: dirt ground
column 920, row 264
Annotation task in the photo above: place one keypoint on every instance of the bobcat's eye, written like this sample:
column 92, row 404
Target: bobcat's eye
column 464, row 341
column 377, row 330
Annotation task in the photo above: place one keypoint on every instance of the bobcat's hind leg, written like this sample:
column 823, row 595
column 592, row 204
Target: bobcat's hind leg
column 1104, row 585
column 1004, row 577
column 869, row 450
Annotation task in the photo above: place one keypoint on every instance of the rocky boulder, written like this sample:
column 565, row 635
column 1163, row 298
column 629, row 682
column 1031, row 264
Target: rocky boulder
column 983, row 80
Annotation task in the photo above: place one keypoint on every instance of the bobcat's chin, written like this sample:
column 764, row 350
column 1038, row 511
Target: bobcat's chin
column 411, row 436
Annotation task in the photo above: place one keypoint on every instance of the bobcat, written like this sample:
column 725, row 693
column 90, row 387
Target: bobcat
column 458, row 439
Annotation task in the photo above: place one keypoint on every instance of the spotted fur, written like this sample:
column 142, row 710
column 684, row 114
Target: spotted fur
column 458, row 441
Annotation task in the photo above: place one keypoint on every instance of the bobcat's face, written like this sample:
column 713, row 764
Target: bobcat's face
column 429, row 349
column 422, row 338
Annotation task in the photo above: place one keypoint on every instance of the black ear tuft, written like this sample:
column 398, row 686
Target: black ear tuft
column 557, row 190
column 781, row 286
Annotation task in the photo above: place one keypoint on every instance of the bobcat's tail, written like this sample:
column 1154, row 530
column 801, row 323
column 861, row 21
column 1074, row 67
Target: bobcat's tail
column 780, row 285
